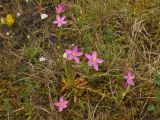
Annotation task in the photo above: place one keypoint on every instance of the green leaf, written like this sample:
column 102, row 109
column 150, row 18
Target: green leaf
column 86, row 68
column 29, row 108
column 108, row 35
column 32, row 52
column 158, row 95
column 86, row 42
column 150, row 108
column 6, row 104
column 81, row 104
column 157, row 80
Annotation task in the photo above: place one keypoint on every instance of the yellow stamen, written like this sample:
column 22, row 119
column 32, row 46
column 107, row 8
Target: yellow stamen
column 62, row 103
column 94, row 59
column 73, row 54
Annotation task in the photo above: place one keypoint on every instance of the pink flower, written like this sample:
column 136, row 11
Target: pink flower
column 93, row 60
column 73, row 54
column 129, row 76
column 60, row 21
column 62, row 104
column 60, row 8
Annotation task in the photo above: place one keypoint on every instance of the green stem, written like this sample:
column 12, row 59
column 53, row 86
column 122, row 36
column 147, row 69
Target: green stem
column 68, row 71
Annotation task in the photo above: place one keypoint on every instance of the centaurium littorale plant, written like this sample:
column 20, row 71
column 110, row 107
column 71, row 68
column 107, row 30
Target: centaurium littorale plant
column 93, row 60
column 129, row 77
column 62, row 104
column 73, row 54
column 60, row 20
column 60, row 8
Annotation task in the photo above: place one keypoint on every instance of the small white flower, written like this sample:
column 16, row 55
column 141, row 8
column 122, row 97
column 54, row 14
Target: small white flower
column 27, row 0
column 140, row 30
column 65, row 55
column 42, row 59
column 73, row 45
column 44, row 16
column 18, row 14
column 2, row 20
column 7, row 33
column 28, row 36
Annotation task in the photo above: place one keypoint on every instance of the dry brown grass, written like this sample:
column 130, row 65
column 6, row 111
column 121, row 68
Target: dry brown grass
column 125, row 33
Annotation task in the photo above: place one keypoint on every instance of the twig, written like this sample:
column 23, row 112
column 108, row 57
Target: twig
column 96, row 107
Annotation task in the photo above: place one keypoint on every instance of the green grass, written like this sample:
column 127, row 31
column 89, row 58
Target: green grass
column 124, row 33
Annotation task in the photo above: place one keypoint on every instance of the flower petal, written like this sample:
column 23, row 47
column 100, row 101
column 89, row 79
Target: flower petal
column 61, row 99
column 60, row 108
column 68, row 51
column 130, row 82
column 59, row 24
column 126, row 77
column 55, row 22
column 64, row 22
column 56, row 8
column 129, row 73
column 94, row 54
column 62, row 18
column 79, row 53
column 95, row 66
column 70, row 57
column 58, row 18
column 75, row 49
column 64, row 106
column 90, row 63
column 65, row 102
column 57, row 104
column 99, row 60
column 126, row 85
column 88, row 56
column 60, row 8
column 76, row 59
column 132, row 77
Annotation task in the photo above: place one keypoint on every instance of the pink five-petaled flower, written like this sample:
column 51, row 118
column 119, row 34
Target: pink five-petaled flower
column 62, row 104
column 60, row 8
column 60, row 21
column 93, row 60
column 129, row 76
column 73, row 54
